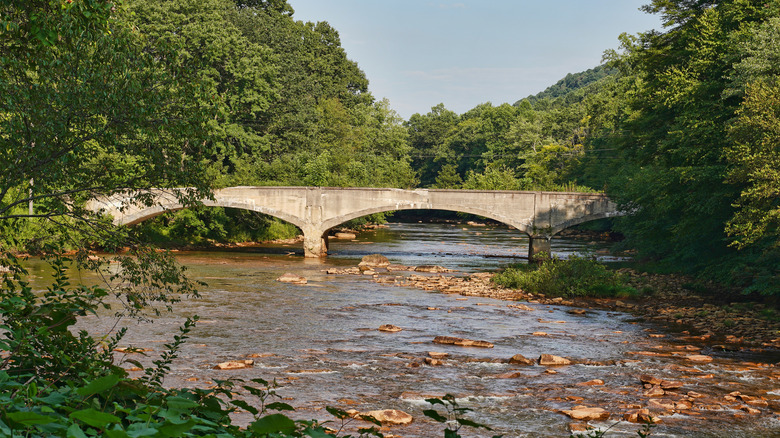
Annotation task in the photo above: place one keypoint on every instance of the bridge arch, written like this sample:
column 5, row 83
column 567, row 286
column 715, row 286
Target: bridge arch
column 589, row 218
column 156, row 210
column 334, row 222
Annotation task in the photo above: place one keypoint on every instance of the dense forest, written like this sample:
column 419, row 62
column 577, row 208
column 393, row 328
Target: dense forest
column 680, row 126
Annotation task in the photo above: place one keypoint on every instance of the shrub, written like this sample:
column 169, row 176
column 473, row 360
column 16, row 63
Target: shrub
column 575, row 277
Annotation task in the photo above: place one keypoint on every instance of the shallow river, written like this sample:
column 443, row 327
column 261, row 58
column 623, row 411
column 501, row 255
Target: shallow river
column 320, row 342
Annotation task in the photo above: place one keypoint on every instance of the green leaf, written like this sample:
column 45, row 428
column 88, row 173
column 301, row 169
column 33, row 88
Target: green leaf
column 318, row 433
column 245, row 406
column 116, row 433
column 74, row 431
column 370, row 419
column 29, row 418
column 94, row 418
column 180, row 403
column 449, row 433
column 272, row 424
column 98, row 385
column 136, row 430
column 464, row 422
column 175, row 430
column 278, row 406
column 336, row 412
column 436, row 416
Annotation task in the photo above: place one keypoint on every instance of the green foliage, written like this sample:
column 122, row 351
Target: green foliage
column 575, row 277
column 427, row 135
column 36, row 334
column 83, row 63
column 570, row 83
column 203, row 226
column 453, row 416
column 756, row 159
column 495, row 177
column 448, row 178
column 694, row 155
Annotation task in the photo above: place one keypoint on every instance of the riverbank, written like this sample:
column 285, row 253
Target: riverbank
column 667, row 300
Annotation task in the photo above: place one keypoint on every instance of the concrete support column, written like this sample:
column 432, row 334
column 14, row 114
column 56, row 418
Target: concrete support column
column 315, row 243
column 538, row 244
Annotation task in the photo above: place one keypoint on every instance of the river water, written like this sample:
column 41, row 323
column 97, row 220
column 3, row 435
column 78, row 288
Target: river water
column 321, row 344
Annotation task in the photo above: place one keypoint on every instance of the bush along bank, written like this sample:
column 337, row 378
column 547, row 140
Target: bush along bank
column 682, row 302
column 575, row 277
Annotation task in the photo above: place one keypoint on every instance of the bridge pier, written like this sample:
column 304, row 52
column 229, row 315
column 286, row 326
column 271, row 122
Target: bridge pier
column 539, row 244
column 315, row 243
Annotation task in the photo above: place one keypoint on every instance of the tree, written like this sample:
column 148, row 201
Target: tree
column 427, row 134
column 91, row 108
column 673, row 144
column 237, row 72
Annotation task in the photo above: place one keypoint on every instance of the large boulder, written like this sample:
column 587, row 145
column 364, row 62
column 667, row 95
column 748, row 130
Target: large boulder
column 584, row 413
column 551, row 360
column 519, row 359
column 235, row 365
column 374, row 260
column 390, row 416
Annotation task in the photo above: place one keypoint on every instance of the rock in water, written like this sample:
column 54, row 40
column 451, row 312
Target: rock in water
column 519, row 359
column 450, row 340
column 550, row 360
column 431, row 268
column 389, row 328
column 342, row 235
column 391, row 416
column 640, row 416
column 584, row 413
column 374, row 260
column 292, row 278
column 235, row 365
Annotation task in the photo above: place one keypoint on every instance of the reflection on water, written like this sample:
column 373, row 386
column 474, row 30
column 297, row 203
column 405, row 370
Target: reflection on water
column 320, row 340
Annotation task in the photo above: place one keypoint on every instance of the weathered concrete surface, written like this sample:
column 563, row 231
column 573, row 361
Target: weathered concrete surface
column 315, row 210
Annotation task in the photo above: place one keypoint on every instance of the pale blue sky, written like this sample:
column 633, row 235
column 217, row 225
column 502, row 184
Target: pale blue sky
column 419, row 53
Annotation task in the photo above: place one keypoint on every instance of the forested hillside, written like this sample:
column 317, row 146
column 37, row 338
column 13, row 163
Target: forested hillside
column 680, row 126
column 572, row 82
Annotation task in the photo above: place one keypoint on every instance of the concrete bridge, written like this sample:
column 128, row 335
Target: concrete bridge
column 315, row 210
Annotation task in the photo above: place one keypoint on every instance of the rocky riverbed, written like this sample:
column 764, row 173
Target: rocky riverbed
column 737, row 326
column 705, row 350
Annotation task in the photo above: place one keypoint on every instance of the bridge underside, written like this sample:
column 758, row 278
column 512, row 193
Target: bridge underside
column 316, row 210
